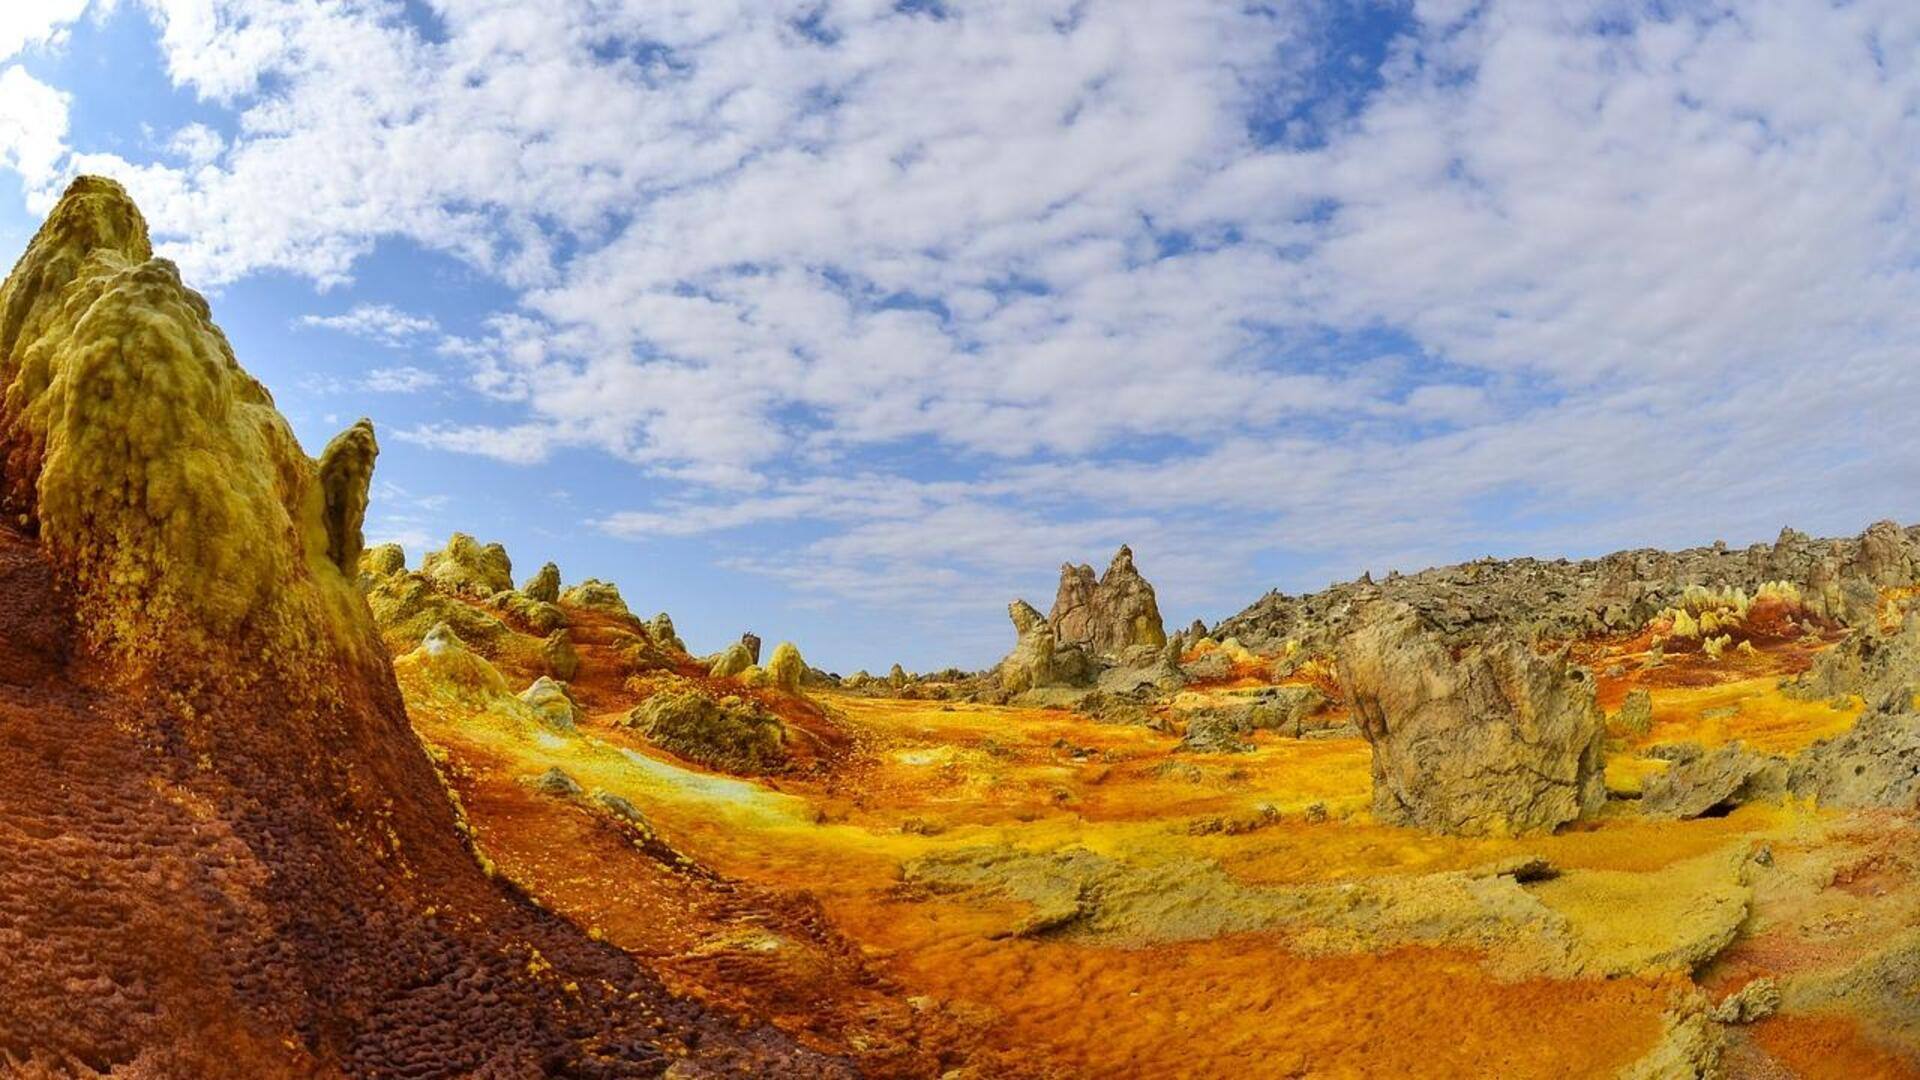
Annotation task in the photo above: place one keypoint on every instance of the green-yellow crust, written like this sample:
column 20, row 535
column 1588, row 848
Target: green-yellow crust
column 164, row 483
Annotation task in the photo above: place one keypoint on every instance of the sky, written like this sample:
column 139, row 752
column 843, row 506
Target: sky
column 849, row 321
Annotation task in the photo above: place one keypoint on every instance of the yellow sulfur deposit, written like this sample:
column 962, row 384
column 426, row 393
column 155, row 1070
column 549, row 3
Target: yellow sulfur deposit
column 159, row 472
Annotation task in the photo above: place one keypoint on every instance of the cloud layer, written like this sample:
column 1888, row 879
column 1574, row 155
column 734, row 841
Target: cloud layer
column 954, row 290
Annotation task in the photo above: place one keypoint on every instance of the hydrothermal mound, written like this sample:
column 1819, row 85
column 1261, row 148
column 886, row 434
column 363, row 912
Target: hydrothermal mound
column 274, row 806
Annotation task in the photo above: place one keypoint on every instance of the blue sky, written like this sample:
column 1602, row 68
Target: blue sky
column 847, row 321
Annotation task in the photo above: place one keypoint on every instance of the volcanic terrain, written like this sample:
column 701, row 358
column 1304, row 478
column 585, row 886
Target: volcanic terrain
column 275, row 805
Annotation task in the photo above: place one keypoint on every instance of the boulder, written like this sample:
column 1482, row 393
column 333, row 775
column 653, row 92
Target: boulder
column 544, row 585
column 1039, row 660
column 1708, row 784
column 559, row 655
column 1870, row 664
column 557, row 783
column 897, row 677
column 751, row 642
column 1881, row 557
column 1636, row 712
column 1109, row 615
column 1481, row 738
column 467, row 567
column 786, row 669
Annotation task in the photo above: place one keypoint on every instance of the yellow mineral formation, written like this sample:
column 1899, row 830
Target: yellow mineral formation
column 162, row 479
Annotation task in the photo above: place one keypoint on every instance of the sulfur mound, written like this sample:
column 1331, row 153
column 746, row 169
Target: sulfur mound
column 595, row 595
column 729, row 733
column 550, row 701
column 161, row 479
column 1495, row 740
column 544, row 585
column 465, row 567
column 383, row 560
column 733, row 661
column 223, row 854
column 785, row 669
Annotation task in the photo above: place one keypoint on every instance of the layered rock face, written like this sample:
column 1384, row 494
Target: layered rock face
column 1110, row 615
column 222, row 851
column 1489, row 739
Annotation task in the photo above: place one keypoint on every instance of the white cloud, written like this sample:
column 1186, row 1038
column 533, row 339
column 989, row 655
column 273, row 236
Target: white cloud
column 400, row 380
column 375, row 322
column 27, row 24
column 1552, row 282
column 525, row 445
column 198, row 144
column 33, row 125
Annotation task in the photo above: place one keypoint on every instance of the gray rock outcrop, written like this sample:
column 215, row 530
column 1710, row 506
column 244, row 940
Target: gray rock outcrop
column 1874, row 765
column 1039, row 659
column 1493, row 740
column 1706, row 784
column 1617, row 593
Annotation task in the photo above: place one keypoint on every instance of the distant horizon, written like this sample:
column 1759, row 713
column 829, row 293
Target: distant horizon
column 849, row 326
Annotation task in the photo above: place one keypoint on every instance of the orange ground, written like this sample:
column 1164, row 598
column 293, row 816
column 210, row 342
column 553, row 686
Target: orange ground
column 781, row 897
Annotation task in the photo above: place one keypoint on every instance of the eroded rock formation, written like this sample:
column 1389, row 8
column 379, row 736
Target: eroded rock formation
column 1039, row 659
column 1485, row 738
column 1110, row 615
column 786, row 668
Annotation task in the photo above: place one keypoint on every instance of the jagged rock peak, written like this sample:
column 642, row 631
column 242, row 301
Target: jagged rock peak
column 1109, row 614
column 1025, row 616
